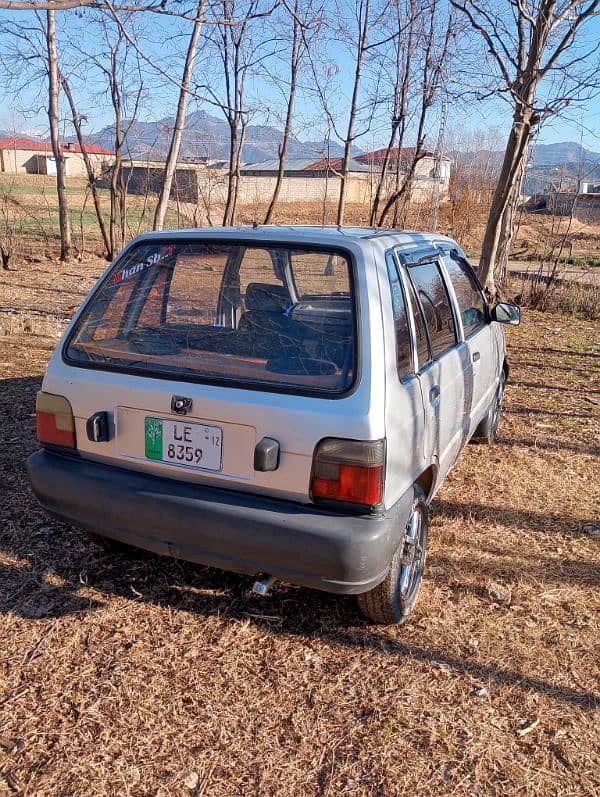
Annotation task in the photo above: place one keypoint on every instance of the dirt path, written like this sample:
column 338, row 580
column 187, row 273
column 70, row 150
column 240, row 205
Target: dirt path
column 583, row 276
column 154, row 677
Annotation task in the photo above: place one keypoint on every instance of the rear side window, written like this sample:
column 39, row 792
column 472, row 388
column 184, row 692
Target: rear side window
column 320, row 274
column 404, row 361
column 194, row 284
column 471, row 302
column 257, row 266
column 223, row 312
column 433, row 298
column 423, row 347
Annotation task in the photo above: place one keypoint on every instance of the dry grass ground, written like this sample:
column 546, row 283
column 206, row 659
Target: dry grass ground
column 155, row 677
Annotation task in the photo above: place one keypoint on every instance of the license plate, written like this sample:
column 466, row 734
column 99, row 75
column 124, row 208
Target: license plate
column 191, row 445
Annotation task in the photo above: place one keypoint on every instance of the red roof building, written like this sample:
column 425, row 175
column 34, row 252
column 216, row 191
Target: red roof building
column 377, row 157
column 23, row 155
column 32, row 145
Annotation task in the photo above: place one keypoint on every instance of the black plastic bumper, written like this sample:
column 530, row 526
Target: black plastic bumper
column 222, row 528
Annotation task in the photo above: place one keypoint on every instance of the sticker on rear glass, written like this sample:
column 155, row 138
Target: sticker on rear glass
column 151, row 260
column 154, row 438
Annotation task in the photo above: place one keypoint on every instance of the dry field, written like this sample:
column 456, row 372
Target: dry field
column 150, row 676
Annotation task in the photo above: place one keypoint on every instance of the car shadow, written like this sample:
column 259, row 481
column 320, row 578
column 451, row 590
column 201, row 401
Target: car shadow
column 541, row 522
column 49, row 570
column 182, row 586
column 518, row 383
column 563, row 352
column 550, row 445
column 554, row 413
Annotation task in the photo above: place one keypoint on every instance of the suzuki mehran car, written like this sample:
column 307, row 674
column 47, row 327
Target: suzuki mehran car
column 276, row 401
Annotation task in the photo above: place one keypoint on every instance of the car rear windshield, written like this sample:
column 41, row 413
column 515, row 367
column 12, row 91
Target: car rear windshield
column 262, row 315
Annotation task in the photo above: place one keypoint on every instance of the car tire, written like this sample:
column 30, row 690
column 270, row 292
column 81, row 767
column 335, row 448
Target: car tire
column 392, row 601
column 487, row 431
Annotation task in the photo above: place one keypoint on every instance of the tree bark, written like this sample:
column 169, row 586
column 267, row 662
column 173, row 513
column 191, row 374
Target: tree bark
column 401, row 87
column 508, row 229
column 184, row 95
column 511, row 171
column 382, row 175
column 236, row 174
column 231, row 186
column 88, row 164
column 362, row 40
column 294, row 59
column 118, row 162
column 59, row 158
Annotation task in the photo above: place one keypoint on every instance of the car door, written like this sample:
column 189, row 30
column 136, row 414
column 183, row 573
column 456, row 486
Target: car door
column 407, row 456
column 442, row 374
column 482, row 366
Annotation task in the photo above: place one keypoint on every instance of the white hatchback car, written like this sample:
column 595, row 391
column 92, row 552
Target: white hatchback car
column 278, row 401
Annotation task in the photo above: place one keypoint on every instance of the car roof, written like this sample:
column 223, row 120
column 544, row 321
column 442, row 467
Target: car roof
column 304, row 233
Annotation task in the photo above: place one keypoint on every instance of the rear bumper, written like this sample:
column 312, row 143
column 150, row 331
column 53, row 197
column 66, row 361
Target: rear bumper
column 221, row 528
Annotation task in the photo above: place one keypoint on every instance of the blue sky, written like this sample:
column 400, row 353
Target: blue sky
column 25, row 112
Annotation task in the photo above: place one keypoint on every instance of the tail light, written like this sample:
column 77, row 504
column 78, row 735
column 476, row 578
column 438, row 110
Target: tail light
column 349, row 470
column 54, row 421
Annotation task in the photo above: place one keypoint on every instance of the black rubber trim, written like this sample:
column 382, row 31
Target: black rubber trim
column 243, row 532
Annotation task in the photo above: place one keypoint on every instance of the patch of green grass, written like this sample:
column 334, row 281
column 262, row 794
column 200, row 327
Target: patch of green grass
column 37, row 218
column 579, row 261
column 18, row 189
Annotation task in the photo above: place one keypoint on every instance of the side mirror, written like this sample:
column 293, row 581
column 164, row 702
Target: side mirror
column 506, row 313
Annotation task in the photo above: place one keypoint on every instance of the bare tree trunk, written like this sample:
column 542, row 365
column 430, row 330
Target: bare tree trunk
column 236, row 173
column 118, row 162
column 434, row 63
column 119, row 182
column 403, row 190
column 92, row 177
column 382, row 175
column 231, row 182
column 294, row 63
column 536, row 37
column 61, row 188
column 175, row 145
column 508, row 183
column 362, row 41
column 401, row 88
column 508, row 228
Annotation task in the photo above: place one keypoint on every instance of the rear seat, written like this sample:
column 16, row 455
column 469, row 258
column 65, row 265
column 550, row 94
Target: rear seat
column 270, row 332
column 267, row 330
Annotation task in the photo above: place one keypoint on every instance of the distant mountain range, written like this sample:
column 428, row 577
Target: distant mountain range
column 207, row 136
column 561, row 164
column 564, row 153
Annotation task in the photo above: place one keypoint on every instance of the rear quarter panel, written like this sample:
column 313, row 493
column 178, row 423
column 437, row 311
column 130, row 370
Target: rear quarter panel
column 404, row 421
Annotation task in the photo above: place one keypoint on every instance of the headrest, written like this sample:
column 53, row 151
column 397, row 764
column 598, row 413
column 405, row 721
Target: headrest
column 267, row 298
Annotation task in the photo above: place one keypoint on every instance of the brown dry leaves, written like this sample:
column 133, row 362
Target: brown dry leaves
column 155, row 677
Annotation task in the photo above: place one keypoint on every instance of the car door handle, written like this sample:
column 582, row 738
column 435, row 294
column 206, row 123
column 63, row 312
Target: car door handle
column 434, row 393
column 476, row 356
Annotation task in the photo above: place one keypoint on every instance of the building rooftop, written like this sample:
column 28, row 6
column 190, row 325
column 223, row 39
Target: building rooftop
column 31, row 145
column 406, row 153
column 304, row 165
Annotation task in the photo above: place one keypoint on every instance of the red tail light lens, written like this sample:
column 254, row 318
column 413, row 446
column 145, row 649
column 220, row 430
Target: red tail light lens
column 349, row 470
column 54, row 421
